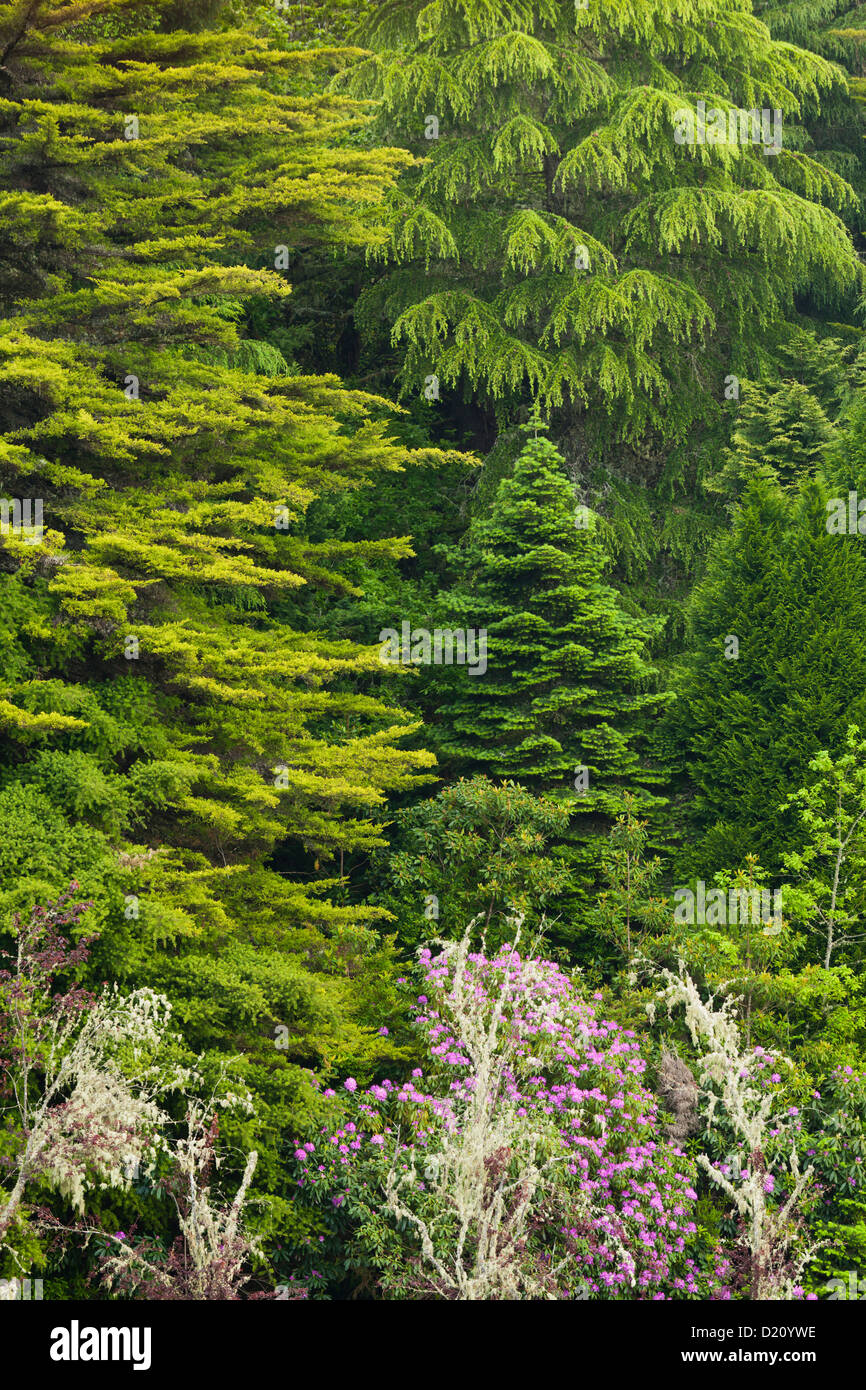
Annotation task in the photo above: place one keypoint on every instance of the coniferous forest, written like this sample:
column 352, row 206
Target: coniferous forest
column 432, row 650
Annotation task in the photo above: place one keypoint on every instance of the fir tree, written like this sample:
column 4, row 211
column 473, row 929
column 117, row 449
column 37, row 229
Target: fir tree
column 564, row 700
column 781, row 430
column 785, row 430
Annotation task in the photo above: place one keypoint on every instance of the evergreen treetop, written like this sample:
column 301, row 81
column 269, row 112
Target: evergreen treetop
column 559, row 238
column 565, row 702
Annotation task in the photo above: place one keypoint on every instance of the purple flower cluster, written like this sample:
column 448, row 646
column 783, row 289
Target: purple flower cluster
column 621, row 1219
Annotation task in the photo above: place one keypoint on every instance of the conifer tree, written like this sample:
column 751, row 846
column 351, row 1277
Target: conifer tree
column 785, row 430
column 776, row 671
column 163, row 729
column 834, row 134
column 564, row 701
column 781, row 429
column 567, row 235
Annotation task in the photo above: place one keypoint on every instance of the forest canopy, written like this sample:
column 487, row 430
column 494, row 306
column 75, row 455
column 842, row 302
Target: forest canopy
column 432, row 650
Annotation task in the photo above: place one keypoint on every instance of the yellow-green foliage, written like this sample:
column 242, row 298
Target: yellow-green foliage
column 161, row 730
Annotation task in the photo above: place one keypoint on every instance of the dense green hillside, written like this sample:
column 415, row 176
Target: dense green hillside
column 432, row 650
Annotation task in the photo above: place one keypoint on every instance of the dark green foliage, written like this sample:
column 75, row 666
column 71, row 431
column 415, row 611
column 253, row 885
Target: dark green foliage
column 794, row 598
column 567, row 693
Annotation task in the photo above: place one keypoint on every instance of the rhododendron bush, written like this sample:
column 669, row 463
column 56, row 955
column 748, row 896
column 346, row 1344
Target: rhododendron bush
column 523, row 1159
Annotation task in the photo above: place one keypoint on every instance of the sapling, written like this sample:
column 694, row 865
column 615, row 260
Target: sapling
column 829, row 894
column 627, row 903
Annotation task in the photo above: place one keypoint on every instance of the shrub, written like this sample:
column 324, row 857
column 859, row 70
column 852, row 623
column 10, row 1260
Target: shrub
column 524, row 1160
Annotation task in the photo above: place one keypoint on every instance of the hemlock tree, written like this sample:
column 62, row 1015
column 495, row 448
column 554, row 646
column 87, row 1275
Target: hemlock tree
column 776, row 671
column 569, row 233
column 161, row 730
column 564, row 700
